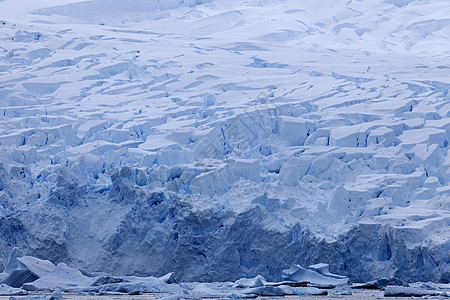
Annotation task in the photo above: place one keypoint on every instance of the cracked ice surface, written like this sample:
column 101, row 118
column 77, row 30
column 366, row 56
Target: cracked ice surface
column 226, row 139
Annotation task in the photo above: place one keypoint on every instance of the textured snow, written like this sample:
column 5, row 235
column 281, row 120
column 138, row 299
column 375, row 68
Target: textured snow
column 227, row 139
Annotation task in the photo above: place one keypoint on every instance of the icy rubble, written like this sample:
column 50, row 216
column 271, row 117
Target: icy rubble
column 64, row 279
column 401, row 291
column 315, row 280
column 199, row 139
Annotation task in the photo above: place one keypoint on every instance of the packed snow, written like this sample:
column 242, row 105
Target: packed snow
column 221, row 140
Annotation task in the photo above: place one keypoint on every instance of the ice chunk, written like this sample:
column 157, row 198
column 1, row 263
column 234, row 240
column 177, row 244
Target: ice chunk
column 402, row 291
column 250, row 282
column 26, row 269
column 30, row 297
column 13, row 262
column 347, row 199
column 11, row 291
column 283, row 290
column 271, row 204
column 382, row 135
column 304, row 291
column 91, row 126
column 171, row 155
column 342, row 291
column 38, row 266
column 60, row 279
column 324, row 270
column 379, row 283
column 18, row 278
column 294, row 169
column 245, row 168
column 424, row 135
column 299, row 274
column 266, row 291
column 135, row 285
column 218, row 177
column 349, row 136
column 56, row 296
column 427, row 154
column 107, row 279
column 295, row 130
column 320, row 137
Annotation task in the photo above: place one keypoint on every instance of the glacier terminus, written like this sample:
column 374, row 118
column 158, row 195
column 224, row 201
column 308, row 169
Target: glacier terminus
column 282, row 146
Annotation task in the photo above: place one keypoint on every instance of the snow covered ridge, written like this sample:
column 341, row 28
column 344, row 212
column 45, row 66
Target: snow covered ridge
column 227, row 139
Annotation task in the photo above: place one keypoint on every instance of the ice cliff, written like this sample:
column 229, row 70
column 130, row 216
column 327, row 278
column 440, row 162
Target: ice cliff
column 227, row 139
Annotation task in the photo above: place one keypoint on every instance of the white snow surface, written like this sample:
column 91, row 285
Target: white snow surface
column 226, row 139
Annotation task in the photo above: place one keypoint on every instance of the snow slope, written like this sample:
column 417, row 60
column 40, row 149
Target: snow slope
column 226, row 139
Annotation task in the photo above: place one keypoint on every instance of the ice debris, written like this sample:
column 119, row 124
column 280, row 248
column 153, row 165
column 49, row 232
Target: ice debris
column 296, row 281
column 136, row 285
column 29, row 297
column 379, row 283
column 402, row 291
column 64, row 279
column 315, row 280
column 284, row 290
column 108, row 279
column 250, row 282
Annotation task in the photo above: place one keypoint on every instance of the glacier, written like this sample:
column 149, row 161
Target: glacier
column 221, row 140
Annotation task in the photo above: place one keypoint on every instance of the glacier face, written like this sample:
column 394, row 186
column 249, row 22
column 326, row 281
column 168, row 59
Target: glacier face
column 226, row 139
